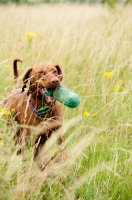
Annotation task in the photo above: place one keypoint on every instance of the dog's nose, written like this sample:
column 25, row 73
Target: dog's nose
column 54, row 82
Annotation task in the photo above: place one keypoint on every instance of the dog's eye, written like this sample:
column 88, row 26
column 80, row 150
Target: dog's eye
column 55, row 71
column 41, row 73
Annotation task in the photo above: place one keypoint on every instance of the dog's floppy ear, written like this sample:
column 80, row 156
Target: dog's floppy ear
column 25, row 78
column 27, row 75
column 59, row 72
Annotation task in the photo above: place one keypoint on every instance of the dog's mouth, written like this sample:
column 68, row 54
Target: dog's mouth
column 48, row 99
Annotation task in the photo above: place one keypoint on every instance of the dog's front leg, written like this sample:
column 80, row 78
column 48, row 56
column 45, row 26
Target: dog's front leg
column 51, row 124
column 22, row 139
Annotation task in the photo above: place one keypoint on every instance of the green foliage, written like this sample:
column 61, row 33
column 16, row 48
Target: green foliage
column 4, row 190
column 110, row 3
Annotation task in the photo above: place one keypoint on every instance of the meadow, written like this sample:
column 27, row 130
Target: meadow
column 93, row 46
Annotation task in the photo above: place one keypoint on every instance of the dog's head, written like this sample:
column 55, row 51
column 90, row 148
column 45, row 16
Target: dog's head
column 43, row 76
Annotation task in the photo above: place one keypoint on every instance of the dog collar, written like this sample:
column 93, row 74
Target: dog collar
column 41, row 113
column 44, row 110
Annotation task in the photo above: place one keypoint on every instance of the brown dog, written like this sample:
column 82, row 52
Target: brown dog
column 33, row 107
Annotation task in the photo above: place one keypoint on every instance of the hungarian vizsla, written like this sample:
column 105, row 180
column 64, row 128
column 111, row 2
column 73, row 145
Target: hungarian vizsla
column 37, row 114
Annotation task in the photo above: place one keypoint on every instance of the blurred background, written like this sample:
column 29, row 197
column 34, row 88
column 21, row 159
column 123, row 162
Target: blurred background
column 111, row 3
column 91, row 40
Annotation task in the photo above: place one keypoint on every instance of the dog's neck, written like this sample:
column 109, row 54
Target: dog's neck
column 40, row 100
column 35, row 96
column 35, row 99
column 42, row 107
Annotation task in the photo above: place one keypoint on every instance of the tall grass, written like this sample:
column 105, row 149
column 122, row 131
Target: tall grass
column 86, row 42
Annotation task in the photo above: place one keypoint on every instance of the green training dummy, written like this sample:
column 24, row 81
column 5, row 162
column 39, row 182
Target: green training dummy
column 65, row 96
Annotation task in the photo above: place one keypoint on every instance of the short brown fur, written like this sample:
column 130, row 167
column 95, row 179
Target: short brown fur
column 41, row 76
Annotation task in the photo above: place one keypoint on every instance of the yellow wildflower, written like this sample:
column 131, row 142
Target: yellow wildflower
column 6, row 112
column 8, row 66
column 1, row 142
column 13, row 112
column 30, row 36
column 102, row 137
column 93, row 115
column 22, row 68
column 85, row 112
column 108, row 74
column 118, row 86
